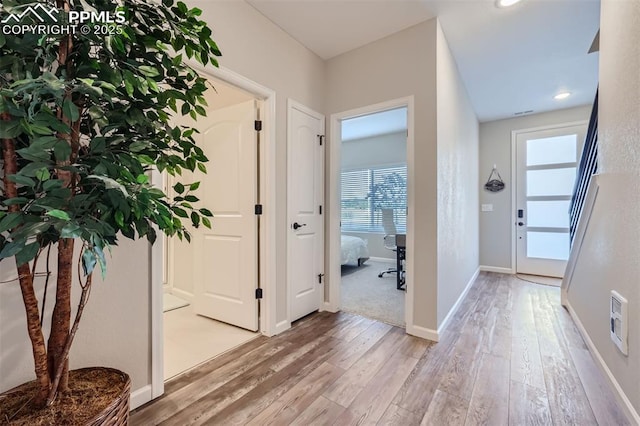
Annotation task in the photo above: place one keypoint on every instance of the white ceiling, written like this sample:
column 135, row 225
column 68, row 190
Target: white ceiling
column 511, row 60
column 379, row 123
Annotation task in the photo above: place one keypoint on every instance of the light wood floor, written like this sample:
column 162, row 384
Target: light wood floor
column 510, row 356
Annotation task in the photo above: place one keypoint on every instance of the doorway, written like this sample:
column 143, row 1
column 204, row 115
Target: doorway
column 545, row 168
column 370, row 184
column 209, row 298
column 373, row 214
column 263, row 167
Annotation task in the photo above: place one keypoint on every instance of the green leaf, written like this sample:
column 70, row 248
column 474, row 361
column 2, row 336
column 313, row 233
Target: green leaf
column 15, row 200
column 22, row 180
column 62, row 150
column 12, row 248
column 206, row 222
column 89, row 261
column 194, row 186
column 10, row 221
column 59, row 214
column 191, row 198
column 179, row 188
column 206, row 212
column 149, row 71
column 180, row 212
column 27, row 254
column 70, row 110
column 119, row 217
column 71, row 230
column 195, row 219
column 43, row 175
column 202, row 167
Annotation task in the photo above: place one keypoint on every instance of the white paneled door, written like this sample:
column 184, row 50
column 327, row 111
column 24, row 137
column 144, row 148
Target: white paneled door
column 225, row 256
column 546, row 163
column 305, row 199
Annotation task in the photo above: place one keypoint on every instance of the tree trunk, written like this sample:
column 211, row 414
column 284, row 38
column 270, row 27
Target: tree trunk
column 61, row 317
column 26, row 282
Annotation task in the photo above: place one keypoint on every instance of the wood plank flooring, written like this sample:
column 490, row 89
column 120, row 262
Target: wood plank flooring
column 511, row 355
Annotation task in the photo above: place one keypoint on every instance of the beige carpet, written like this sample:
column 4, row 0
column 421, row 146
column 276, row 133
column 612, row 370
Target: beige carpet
column 365, row 294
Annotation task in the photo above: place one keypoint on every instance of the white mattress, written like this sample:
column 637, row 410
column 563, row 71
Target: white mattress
column 353, row 248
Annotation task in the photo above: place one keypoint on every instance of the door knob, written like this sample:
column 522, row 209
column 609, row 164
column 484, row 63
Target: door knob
column 297, row 225
column 520, row 223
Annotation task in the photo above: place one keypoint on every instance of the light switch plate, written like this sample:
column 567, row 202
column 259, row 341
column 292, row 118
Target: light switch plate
column 487, row 207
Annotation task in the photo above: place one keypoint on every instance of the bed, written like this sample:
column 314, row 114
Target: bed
column 354, row 250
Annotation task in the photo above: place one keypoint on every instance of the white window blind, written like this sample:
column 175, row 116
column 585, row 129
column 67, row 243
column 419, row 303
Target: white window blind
column 365, row 192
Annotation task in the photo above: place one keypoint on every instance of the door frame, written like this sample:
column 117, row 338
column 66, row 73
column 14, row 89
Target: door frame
column 267, row 233
column 514, row 176
column 291, row 105
column 332, row 229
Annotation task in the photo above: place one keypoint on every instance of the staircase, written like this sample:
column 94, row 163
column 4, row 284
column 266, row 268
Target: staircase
column 585, row 193
column 587, row 168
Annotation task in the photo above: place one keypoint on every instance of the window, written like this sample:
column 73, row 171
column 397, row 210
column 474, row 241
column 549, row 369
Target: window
column 365, row 192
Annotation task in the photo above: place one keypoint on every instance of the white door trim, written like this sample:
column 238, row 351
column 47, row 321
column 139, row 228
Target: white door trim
column 514, row 177
column 332, row 229
column 292, row 104
column 267, row 228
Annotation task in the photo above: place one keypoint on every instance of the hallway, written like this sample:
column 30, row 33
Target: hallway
column 510, row 355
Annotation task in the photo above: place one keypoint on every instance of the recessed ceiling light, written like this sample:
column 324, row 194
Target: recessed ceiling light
column 563, row 95
column 506, row 3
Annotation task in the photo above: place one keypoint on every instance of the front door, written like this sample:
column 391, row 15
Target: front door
column 305, row 203
column 546, row 162
column 225, row 256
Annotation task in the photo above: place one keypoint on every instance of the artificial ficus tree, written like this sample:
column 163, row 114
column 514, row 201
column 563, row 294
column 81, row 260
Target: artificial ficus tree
column 84, row 117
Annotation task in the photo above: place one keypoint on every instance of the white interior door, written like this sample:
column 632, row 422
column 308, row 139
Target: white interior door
column 546, row 163
column 225, row 256
column 305, row 199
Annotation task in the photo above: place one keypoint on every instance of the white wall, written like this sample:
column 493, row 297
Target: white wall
column 457, row 182
column 116, row 331
column 407, row 67
column 495, row 148
column 256, row 48
column 105, row 337
column 381, row 150
column 609, row 259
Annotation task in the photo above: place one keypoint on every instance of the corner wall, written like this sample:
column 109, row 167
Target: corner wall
column 457, row 200
column 400, row 65
column 609, row 259
column 495, row 148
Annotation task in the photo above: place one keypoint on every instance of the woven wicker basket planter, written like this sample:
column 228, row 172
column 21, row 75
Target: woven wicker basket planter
column 98, row 396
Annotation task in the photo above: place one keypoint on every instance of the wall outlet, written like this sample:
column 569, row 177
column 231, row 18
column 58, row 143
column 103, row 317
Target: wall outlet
column 487, row 207
column 618, row 326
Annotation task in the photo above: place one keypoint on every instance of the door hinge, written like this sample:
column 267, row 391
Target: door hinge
column 320, row 209
column 320, row 278
column 321, row 138
column 258, row 125
column 258, row 209
column 258, row 293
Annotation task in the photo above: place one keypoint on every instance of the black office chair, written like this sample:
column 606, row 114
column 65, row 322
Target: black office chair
column 389, row 239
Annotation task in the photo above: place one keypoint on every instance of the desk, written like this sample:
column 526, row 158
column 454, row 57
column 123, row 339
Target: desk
column 401, row 246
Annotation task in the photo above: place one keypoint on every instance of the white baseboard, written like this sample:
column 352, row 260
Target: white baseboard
column 456, row 305
column 422, row 332
column 328, row 307
column 497, row 269
column 383, row 260
column 282, row 326
column 621, row 396
column 140, row 397
column 182, row 294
